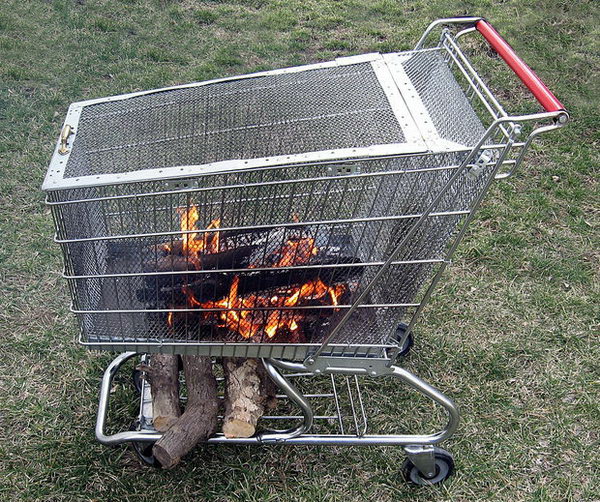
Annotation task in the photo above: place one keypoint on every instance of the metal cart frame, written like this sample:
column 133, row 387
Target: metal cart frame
column 427, row 464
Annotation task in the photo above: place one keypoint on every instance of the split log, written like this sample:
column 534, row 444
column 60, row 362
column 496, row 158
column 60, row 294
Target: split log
column 249, row 392
column 199, row 420
column 163, row 376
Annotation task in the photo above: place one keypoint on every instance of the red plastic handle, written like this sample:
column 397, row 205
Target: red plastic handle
column 526, row 74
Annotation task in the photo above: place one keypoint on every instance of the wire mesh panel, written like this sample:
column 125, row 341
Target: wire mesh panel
column 289, row 113
column 265, row 261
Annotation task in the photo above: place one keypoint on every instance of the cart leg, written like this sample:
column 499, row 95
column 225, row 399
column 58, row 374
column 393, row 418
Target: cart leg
column 120, row 437
column 295, row 396
column 427, row 464
column 436, row 396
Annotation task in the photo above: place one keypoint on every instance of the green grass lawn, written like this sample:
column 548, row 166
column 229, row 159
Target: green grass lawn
column 511, row 333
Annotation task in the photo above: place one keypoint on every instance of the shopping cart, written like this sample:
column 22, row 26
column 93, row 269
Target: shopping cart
column 372, row 166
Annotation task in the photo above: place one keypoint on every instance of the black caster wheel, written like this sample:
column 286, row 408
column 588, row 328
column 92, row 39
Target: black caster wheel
column 408, row 343
column 143, row 450
column 444, row 467
column 136, row 377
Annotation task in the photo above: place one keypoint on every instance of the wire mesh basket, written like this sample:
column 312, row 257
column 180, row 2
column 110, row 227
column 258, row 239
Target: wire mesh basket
column 279, row 214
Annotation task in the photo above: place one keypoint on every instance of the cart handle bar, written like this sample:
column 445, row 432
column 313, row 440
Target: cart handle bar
column 540, row 91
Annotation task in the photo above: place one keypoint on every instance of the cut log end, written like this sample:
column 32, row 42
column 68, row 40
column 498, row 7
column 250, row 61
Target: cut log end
column 236, row 428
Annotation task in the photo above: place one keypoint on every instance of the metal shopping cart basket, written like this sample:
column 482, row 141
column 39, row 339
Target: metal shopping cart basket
column 322, row 203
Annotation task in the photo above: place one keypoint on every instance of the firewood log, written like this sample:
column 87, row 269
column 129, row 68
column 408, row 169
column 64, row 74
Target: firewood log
column 163, row 376
column 199, row 420
column 249, row 392
column 206, row 287
column 238, row 237
column 233, row 258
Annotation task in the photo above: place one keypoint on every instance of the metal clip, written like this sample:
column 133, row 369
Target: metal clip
column 343, row 169
column 64, row 138
column 486, row 158
column 182, row 184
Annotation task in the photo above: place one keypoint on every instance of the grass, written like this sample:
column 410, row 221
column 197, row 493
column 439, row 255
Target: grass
column 511, row 333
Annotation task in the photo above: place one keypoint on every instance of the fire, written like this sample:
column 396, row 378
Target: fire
column 253, row 314
column 295, row 251
column 194, row 243
column 239, row 313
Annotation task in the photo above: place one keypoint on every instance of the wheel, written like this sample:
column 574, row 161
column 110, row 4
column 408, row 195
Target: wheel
column 144, row 453
column 136, row 377
column 408, row 343
column 444, row 467
column 143, row 450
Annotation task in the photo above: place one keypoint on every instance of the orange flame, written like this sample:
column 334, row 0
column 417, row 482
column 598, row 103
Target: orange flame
column 240, row 314
column 243, row 314
column 296, row 252
column 193, row 243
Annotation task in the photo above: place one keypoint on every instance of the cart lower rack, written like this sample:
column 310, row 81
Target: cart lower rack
column 301, row 216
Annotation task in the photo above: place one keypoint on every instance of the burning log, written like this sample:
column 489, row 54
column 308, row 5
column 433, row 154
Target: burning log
column 233, row 258
column 231, row 238
column 163, row 376
column 199, row 420
column 206, row 287
column 249, row 392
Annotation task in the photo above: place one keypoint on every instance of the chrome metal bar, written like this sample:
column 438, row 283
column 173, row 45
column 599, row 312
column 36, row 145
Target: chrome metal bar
column 351, row 400
column 441, row 22
column 246, row 309
column 337, row 403
column 261, row 227
column 298, row 417
column 436, row 396
column 339, row 440
column 362, row 407
column 284, row 396
column 295, row 396
column 105, row 389
column 219, row 349
column 291, row 366
column 256, row 269
column 464, row 32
